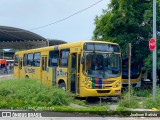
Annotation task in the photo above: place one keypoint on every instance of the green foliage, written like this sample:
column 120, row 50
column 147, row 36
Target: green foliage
column 126, row 22
column 31, row 94
column 141, row 98
column 100, row 110
column 124, row 102
column 79, row 102
column 27, row 93
column 141, row 92
column 150, row 103
column 122, row 109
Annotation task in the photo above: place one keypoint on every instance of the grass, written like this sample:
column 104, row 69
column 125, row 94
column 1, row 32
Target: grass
column 140, row 98
column 122, row 109
column 124, row 102
column 141, row 92
column 100, row 110
column 27, row 93
column 80, row 102
column 150, row 103
column 30, row 94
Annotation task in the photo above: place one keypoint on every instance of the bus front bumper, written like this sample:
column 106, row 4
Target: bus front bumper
column 100, row 92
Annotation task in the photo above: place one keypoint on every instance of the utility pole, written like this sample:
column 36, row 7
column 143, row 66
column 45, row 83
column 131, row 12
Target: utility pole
column 154, row 72
column 129, row 73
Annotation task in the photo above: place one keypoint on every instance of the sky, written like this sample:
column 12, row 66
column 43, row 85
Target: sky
column 28, row 14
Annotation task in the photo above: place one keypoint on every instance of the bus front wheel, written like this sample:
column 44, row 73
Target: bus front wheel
column 27, row 77
column 63, row 86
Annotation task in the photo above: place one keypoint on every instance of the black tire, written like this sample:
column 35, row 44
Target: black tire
column 63, row 86
column 27, row 77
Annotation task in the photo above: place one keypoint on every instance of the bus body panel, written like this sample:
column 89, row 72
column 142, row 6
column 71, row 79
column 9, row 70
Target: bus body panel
column 108, row 87
column 16, row 74
column 135, row 73
column 134, row 82
column 61, row 75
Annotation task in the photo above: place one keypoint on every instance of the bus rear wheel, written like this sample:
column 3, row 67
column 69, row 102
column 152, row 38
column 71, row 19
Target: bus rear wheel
column 63, row 86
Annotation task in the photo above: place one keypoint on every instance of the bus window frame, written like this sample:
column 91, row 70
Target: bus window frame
column 31, row 61
column 110, row 47
column 60, row 57
column 49, row 65
column 33, row 64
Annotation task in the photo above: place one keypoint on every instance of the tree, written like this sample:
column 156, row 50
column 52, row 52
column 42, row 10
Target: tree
column 128, row 21
column 148, row 59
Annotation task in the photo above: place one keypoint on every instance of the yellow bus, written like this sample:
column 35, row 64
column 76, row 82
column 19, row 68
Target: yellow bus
column 136, row 74
column 87, row 69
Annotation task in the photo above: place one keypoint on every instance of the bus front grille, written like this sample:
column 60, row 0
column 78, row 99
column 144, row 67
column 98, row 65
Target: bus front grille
column 103, row 91
column 108, row 82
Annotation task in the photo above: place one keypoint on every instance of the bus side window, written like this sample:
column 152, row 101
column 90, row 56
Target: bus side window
column 64, row 58
column 36, row 59
column 53, row 58
column 30, row 59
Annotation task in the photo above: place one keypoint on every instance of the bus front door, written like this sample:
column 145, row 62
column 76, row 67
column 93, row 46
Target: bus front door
column 73, row 75
column 21, row 73
column 44, row 66
column 16, row 66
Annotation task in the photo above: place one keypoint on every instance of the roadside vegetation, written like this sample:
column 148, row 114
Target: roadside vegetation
column 124, row 102
column 149, row 103
column 31, row 94
column 25, row 93
column 140, row 98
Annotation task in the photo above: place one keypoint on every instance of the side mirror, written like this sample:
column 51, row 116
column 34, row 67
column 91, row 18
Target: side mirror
column 83, row 59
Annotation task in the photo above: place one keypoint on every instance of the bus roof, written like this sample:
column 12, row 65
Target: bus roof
column 61, row 46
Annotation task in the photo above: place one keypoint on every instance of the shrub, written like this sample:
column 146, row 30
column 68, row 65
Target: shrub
column 124, row 102
column 25, row 93
column 150, row 103
column 141, row 92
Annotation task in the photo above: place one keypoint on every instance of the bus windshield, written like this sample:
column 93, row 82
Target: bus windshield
column 135, row 70
column 102, row 65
